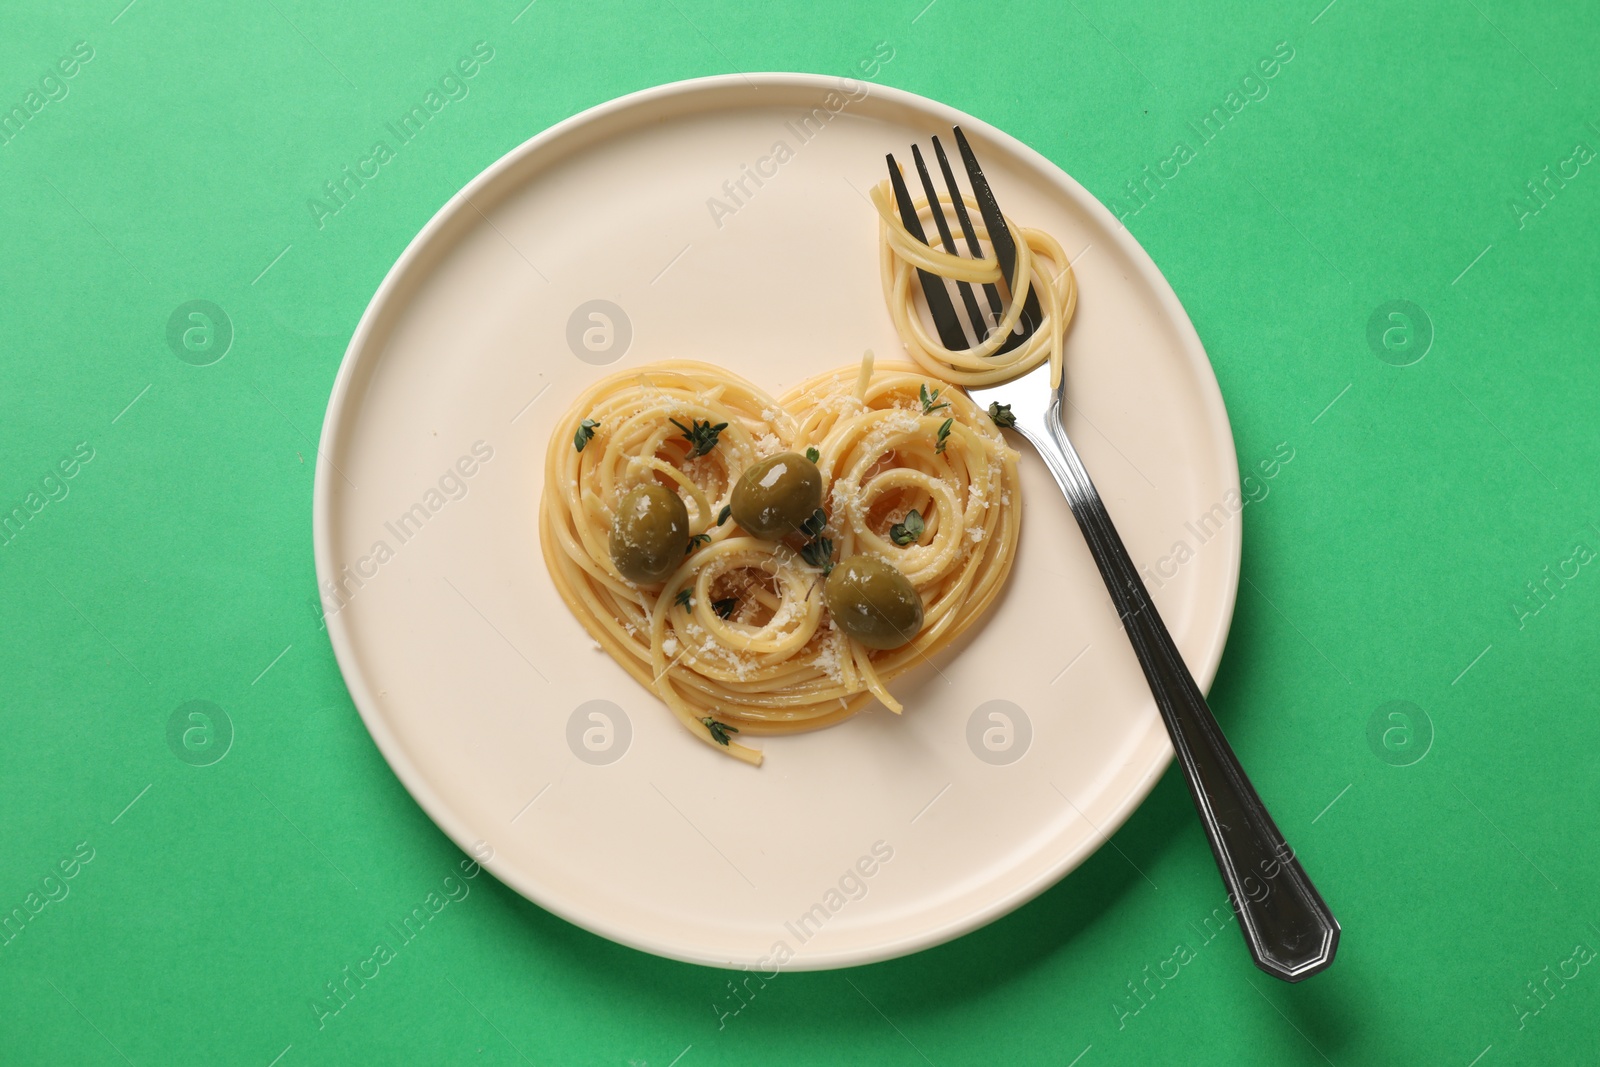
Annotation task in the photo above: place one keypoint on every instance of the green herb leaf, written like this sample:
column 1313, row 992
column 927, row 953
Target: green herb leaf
column 815, row 524
column 819, row 553
column 695, row 542
column 813, row 455
column 684, row 599
column 1001, row 414
column 719, row 730
column 944, row 434
column 702, row 436
column 722, row 516
column 908, row 532
column 928, row 399
column 585, row 433
column 725, row 606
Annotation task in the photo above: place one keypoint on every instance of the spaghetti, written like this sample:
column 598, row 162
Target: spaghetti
column 737, row 640
column 1042, row 267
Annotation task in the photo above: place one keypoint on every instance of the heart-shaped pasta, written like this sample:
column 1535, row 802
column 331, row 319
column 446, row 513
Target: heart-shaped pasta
column 738, row 640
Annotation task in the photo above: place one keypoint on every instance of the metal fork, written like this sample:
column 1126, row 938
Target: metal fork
column 1289, row 930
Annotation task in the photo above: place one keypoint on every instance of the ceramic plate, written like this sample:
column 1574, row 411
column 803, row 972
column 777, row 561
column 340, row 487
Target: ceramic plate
column 726, row 219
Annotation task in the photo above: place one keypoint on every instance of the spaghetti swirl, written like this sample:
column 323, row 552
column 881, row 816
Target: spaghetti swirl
column 1042, row 267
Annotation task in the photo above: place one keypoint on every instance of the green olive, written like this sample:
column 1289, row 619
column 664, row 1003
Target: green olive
column 650, row 534
column 776, row 495
column 873, row 602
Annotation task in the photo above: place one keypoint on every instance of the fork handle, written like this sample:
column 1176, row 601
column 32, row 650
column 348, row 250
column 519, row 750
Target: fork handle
column 1289, row 930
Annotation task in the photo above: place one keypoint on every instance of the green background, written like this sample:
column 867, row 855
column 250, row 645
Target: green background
column 1384, row 565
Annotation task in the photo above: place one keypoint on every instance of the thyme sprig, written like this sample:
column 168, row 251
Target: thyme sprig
column 909, row 531
column 930, row 401
column 702, row 436
column 585, row 433
column 719, row 730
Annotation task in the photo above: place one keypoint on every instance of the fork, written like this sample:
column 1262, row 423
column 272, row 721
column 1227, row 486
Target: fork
column 1289, row 930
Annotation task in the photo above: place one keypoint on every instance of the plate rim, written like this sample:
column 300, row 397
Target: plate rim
column 336, row 421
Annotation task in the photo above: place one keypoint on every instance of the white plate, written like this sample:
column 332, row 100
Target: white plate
column 468, row 669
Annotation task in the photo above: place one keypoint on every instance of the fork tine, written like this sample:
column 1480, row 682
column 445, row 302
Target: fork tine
column 1005, row 246
column 974, row 314
column 944, row 313
column 973, row 246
